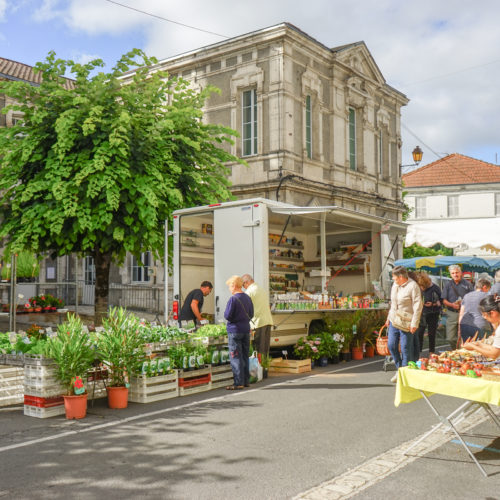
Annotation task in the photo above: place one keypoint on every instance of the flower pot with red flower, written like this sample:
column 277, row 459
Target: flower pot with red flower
column 73, row 353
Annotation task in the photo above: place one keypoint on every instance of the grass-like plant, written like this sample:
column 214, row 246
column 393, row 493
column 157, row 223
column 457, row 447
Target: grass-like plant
column 72, row 350
column 120, row 345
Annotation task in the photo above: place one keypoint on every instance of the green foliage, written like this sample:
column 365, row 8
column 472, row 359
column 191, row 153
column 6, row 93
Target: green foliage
column 72, row 350
column 98, row 166
column 27, row 265
column 415, row 250
column 120, row 345
column 265, row 361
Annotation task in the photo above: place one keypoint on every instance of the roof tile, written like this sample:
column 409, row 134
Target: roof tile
column 452, row 170
column 20, row 71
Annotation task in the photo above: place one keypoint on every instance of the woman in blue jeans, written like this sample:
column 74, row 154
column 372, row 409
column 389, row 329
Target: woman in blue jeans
column 406, row 302
column 239, row 311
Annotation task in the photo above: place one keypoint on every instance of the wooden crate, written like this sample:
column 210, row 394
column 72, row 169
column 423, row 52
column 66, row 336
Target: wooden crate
column 11, row 385
column 149, row 389
column 221, row 376
column 195, row 381
column 279, row 365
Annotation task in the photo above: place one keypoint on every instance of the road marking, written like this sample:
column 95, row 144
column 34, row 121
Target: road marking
column 376, row 469
column 166, row 410
column 473, row 445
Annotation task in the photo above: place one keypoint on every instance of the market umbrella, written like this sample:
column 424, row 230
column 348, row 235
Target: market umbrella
column 434, row 262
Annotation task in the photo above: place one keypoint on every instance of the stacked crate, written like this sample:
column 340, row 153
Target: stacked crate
column 194, row 381
column 145, row 389
column 42, row 391
column 222, row 376
column 11, row 385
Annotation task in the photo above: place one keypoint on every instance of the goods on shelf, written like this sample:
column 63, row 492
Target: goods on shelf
column 312, row 302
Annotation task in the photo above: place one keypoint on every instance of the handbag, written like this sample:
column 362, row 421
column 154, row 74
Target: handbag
column 402, row 320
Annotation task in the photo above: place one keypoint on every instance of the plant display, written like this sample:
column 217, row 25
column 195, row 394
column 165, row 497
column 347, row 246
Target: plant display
column 72, row 351
column 328, row 347
column 307, row 348
column 210, row 331
column 120, row 346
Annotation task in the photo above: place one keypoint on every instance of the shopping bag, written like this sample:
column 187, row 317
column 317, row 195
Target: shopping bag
column 255, row 368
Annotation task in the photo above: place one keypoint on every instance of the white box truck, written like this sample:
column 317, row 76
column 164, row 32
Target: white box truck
column 291, row 251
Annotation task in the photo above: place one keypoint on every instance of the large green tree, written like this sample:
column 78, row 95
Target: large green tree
column 97, row 164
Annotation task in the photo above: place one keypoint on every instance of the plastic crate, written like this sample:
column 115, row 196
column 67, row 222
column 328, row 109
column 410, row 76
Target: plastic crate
column 43, row 402
column 35, row 411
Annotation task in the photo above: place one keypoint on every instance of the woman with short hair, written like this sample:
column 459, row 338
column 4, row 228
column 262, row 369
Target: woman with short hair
column 403, row 317
column 470, row 319
column 490, row 310
column 238, row 313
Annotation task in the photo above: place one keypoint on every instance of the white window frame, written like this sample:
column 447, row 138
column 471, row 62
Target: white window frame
column 353, row 153
column 497, row 203
column 89, row 270
column 452, row 203
column 253, row 137
column 139, row 271
column 420, row 207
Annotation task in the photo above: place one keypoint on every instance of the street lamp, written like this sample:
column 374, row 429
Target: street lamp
column 417, row 154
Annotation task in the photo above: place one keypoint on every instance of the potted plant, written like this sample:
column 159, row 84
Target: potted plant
column 306, row 348
column 121, row 349
column 329, row 347
column 265, row 362
column 72, row 351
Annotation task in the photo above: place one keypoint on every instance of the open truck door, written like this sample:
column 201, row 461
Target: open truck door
column 239, row 239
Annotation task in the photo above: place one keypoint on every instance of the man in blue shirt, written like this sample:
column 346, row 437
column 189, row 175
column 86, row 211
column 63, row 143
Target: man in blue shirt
column 453, row 293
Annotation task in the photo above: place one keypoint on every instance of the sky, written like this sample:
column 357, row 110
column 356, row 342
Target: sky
column 444, row 55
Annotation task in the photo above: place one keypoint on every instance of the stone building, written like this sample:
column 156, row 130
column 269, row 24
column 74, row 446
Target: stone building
column 317, row 125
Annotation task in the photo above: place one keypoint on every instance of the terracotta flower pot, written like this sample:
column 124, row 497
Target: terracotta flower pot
column 369, row 351
column 117, row 397
column 75, row 406
column 357, row 353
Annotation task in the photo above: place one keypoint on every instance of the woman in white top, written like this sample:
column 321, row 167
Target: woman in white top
column 490, row 309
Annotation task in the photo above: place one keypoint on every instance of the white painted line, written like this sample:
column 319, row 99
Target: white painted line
column 165, row 410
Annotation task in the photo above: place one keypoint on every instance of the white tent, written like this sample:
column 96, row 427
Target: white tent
column 472, row 233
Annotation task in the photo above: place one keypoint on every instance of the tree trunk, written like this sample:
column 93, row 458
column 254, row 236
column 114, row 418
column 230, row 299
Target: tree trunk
column 102, row 265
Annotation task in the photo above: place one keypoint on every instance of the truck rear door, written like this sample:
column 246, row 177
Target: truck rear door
column 237, row 235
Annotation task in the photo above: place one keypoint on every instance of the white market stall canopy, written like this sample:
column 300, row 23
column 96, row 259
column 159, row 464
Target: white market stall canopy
column 474, row 233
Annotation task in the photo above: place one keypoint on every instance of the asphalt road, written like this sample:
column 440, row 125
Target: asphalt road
column 276, row 440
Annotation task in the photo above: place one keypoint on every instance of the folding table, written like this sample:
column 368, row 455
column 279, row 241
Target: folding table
column 476, row 392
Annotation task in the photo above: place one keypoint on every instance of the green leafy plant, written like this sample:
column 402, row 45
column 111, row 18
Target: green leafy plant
column 307, row 348
column 265, row 361
column 120, row 345
column 72, row 351
column 100, row 161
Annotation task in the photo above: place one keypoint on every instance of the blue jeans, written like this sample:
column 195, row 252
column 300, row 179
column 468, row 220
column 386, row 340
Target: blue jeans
column 409, row 346
column 239, row 347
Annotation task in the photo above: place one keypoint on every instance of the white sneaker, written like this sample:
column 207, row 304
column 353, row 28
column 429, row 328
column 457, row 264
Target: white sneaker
column 394, row 378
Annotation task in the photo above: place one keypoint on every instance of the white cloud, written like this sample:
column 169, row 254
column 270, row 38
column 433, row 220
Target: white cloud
column 420, row 47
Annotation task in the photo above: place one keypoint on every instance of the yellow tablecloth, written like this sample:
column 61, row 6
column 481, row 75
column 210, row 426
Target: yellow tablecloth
column 410, row 381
